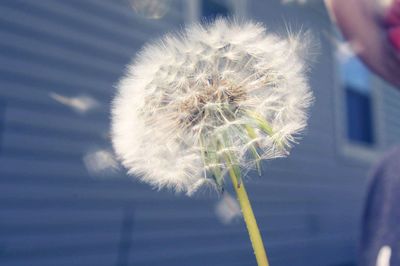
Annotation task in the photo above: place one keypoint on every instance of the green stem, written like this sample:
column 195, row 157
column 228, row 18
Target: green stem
column 251, row 223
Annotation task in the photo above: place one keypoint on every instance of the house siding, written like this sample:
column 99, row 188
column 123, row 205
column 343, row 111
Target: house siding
column 53, row 212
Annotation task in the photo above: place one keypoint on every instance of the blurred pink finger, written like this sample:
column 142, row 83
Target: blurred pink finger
column 374, row 29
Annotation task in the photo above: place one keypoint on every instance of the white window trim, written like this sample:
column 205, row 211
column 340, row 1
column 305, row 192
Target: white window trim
column 347, row 148
column 193, row 7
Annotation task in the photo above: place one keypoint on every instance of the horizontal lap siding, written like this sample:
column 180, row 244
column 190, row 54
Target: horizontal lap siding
column 52, row 212
column 391, row 107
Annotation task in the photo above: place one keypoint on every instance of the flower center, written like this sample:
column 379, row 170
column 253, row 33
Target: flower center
column 216, row 103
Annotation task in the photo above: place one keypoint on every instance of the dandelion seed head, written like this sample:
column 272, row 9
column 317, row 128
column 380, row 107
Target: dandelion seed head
column 194, row 104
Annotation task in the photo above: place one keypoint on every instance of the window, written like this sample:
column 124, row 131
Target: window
column 210, row 9
column 360, row 125
column 214, row 8
column 355, row 80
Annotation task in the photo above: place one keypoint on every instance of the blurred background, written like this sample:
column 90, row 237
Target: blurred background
column 65, row 201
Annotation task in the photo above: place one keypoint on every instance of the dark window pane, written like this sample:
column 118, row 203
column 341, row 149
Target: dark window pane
column 359, row 116
column 213, row 8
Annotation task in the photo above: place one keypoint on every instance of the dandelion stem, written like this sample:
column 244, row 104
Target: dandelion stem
column 251, row 223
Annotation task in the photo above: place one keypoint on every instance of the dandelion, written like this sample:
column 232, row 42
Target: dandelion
column 210, row 102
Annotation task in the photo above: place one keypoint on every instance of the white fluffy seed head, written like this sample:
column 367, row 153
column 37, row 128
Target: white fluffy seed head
column 216, row 97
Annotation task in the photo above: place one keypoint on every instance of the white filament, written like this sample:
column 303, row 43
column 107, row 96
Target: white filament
column 154, row 129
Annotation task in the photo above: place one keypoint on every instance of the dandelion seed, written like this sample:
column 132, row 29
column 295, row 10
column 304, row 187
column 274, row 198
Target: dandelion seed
column 151, row 9
column 100, row 162
column 227, row 209
column 81, row 104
